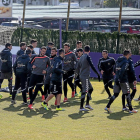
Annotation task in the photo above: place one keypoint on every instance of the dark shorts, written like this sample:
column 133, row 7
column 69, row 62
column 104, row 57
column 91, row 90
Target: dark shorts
column 122, row 86
column 56, row 87
column 86, row 85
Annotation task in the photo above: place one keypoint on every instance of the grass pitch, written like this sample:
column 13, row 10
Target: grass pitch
column 20, row 123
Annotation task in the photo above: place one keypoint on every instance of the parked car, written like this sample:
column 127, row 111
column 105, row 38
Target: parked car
column 10, row 24
column 131, row 29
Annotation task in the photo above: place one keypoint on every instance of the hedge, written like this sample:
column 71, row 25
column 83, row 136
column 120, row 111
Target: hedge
column 97, row 41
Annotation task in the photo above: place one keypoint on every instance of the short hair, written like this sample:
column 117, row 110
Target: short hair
column 54, row 48
column 61, row 51
column 67, row 44
column 50, row 43
column 33, row 41
column 105, row 51
column 43, row 47
column 28, row 51
column 8, row 45
column 79, row 42
column 22, row 44
column 30, row 46
column 80, row 50
column 126, row 52
column 87, row 48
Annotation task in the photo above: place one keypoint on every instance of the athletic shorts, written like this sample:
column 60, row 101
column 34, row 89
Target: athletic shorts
column 86, row 85
column 132, row 86
column 56, row 87
column 122, row 86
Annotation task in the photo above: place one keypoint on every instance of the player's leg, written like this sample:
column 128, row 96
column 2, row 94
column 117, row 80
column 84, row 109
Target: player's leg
column 116, row 93
column 134, row 90
column 65, row 87
column 17, row 86
column 1, row 81
column 106, row 85
column 10, row 85
column 126, row 90
column 70, row 79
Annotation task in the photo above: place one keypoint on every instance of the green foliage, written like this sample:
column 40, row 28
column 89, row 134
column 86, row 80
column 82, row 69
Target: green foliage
column 97, row 41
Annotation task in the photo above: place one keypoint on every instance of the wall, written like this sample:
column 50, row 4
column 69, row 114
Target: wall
column 96, row 56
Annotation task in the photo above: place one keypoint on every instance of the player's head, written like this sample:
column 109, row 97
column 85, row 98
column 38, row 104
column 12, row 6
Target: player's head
column 50, row 44
column 66, row 47
column 105, row 54
column 79, row 44
column 30, row 47
column 126, row 54
column 80, row 52
column 53, row 51
column 29, row 52
column 87, row 49
column 61, row 53
column 34, row 43
column 9, row 46
column 43, row 51
column 23, row 45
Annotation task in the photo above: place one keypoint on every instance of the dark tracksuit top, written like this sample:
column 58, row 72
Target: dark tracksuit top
column 122, row 65
column 49, row 69
column 108, row 66
column 131, row 71
column 70, row 61
column 19, row 53
column 6, row 59
column 84, row 65
column 21, row 65
column 41, row 63
column 57, row 70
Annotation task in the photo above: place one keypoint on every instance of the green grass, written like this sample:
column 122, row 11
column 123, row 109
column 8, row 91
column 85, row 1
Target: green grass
column 20, row 123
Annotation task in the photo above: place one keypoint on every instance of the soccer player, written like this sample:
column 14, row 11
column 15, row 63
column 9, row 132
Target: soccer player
column 22, row 49
column 6, row 66
column 132, row 82
column 21, row 70
column 69, row 67
column 50, row 45
column 56, row 80
column 34, row 44
column 121, row 81
column 49, row 71
column 106, row 66
column 39, row 65
column 78, row 46
column 83, row 69
column 77, row 79
column 136, row 65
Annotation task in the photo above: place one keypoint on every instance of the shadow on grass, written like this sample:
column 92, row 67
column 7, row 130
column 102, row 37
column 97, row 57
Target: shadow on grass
column 118, row 115
column 79, row 115
column 12, row 108
column 137, row 107
column 104, row 101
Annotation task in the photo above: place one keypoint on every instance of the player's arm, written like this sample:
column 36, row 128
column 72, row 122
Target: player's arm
column 91, row 65
column 9, row 62
column 75, row 60
column 132, row 70
column 56, row 67
column 137, row 64
column 99, row 65
column 14, row 66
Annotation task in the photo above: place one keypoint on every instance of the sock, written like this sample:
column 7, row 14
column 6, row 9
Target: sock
column 82, row 100
column 44, row 102
column 129, row 101
column 133, row 94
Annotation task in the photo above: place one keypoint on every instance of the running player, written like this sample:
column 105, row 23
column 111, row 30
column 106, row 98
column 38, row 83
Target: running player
column 106, row 66
column 6, row 66
column 39, row 65
column 77, row 79
column 121, row 81
column 56, row 80
column 21, row 71
column 49, row 71
column 69, row 67
column 83, row 69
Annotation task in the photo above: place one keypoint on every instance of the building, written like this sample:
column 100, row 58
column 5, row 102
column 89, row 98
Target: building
column 82, row 3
